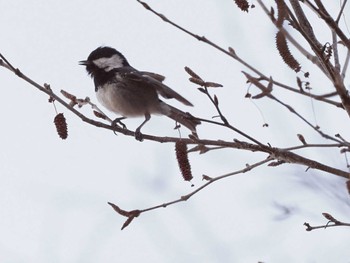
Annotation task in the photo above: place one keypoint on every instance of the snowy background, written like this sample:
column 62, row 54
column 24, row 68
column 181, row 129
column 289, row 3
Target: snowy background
column 54, row 193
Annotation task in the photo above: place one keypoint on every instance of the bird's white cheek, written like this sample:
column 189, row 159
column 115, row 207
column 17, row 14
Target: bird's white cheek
column 109, row 63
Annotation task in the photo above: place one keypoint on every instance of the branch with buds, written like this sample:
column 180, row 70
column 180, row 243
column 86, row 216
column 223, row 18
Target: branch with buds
column 332, row 222
column 324, row 56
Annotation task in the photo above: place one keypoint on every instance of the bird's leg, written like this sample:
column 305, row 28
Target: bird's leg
column 138, row 134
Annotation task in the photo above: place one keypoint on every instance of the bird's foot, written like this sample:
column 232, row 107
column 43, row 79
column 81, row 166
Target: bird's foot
column 138, row 135
column 118, row 122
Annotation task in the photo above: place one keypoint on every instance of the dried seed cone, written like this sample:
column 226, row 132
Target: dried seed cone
column 182, row 159
column 61, row 126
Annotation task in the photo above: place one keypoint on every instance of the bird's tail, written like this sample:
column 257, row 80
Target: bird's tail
column 184, row 118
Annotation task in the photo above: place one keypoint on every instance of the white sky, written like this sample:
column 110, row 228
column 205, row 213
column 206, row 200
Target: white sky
column 54, row 193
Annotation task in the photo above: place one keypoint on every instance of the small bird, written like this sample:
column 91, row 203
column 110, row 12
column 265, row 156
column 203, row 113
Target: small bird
column 124, row 90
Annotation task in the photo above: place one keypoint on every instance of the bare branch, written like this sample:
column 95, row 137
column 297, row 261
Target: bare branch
column 294, row 42
column 278, row 154
column 332, row 222
column 305, row 26
column 265, row 84
column 323, row 13
column 183, row 198
column 341, row 11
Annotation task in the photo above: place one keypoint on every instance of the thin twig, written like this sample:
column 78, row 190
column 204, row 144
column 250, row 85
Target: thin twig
column 330, row 145
column 287, row 106
column 335, row 51
column 311, row 95
column 244, row 63
column 212, row 180
column 346, row 64
column 332, row 222
column 201, row 38
column 341, row 11
column 225, row 121
column 304, row 23
column 323, row 13
column 131, row 214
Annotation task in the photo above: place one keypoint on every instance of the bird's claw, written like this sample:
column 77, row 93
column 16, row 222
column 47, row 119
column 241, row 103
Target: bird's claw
column 118, row 122
column 138, row 135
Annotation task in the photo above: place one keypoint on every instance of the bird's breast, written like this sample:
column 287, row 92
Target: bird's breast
column 123, row 100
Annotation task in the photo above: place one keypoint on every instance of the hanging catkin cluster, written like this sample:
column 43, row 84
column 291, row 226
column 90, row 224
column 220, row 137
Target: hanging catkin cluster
column 61, row 126
column 182, row 159
column 242, row 4
column 285, row 53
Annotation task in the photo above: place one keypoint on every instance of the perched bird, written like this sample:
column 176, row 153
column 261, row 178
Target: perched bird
column 124, row 90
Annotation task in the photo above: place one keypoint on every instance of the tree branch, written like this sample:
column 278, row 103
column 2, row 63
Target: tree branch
column 332, row 222
column 135, row 213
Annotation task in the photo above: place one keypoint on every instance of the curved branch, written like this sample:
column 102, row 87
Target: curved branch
column 135, row 213
column 276, row 153
column 233, row 55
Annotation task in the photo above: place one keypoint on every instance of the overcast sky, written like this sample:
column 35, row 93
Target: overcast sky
column 54, row 193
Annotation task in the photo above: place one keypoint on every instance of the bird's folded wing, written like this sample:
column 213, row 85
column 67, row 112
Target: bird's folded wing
column 156, row 76
column 156, row 81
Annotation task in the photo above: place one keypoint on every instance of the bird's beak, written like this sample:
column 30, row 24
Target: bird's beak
column 84, row 62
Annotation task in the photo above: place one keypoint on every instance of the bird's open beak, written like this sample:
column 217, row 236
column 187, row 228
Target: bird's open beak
column 84, row 62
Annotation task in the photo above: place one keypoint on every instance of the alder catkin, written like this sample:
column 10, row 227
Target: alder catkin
column 282, row 12
column 285, row 53
column 61, row 126
column 182, row 160
column 242, row 4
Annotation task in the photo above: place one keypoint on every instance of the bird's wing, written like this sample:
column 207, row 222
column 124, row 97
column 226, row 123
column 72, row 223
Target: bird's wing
column 156, row 76
column 165, row 91
column 154, row 80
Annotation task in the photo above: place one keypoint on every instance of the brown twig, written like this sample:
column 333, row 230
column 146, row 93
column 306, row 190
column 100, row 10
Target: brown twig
column 276, row 156
column 258, row 84
column 201, row 38
column 332, row 222
column 135, row 213
column 306, row 30
column 331, row 70
column 244, row 63
column 205, row 85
